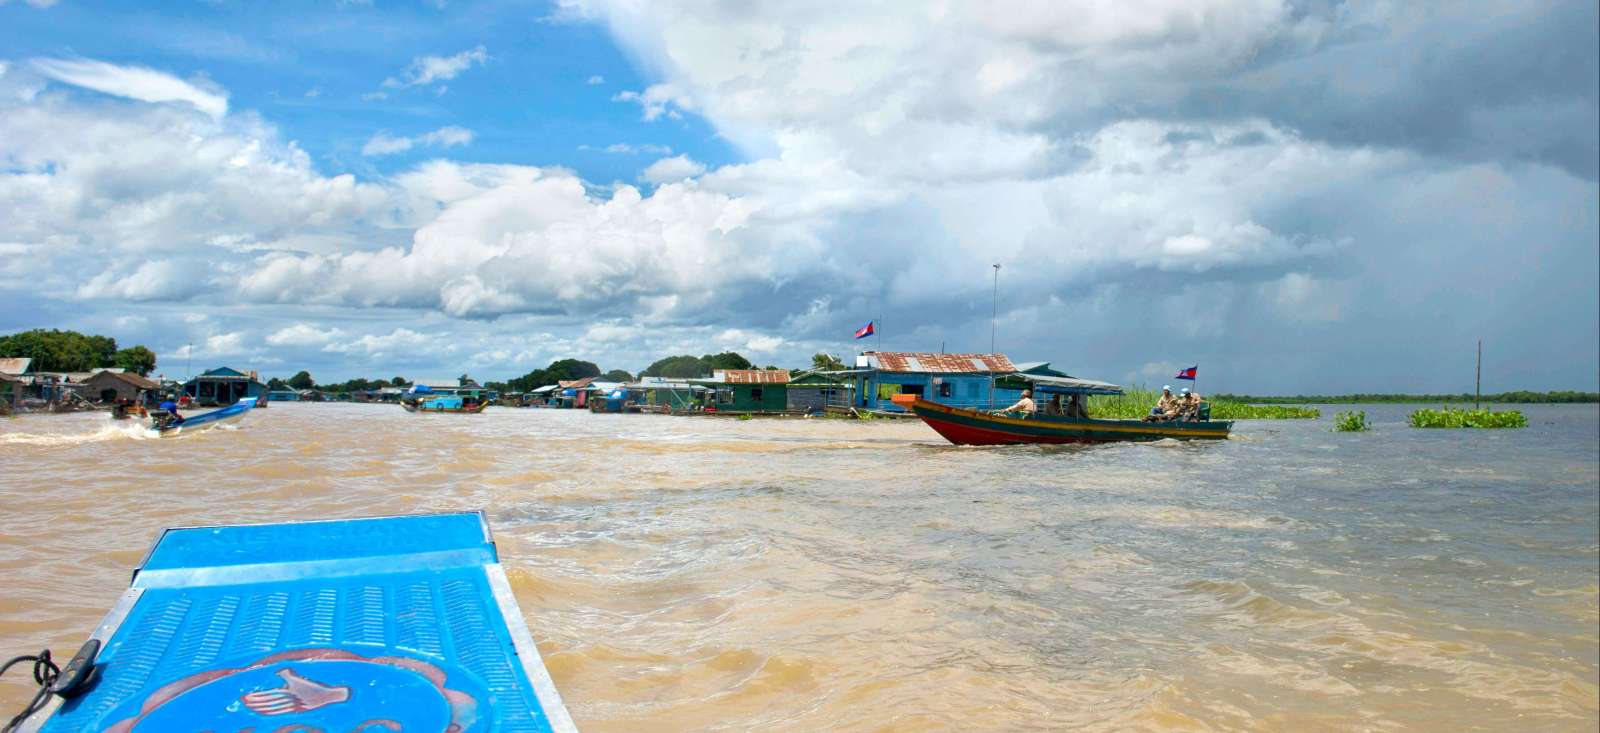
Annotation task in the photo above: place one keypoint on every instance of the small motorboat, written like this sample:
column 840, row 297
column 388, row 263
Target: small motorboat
column 381, row 624
column 163, row 424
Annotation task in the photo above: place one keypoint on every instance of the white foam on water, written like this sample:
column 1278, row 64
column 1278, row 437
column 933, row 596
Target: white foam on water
column 131, row 429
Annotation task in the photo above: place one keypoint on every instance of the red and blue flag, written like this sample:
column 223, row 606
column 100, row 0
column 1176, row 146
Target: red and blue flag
column 1188, row 373
column 864, row 331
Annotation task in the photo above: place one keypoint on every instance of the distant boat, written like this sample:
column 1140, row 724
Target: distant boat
column 422, row 398
column 381, row 624
column 966, row 426
column 446, row 403
column 161, row 424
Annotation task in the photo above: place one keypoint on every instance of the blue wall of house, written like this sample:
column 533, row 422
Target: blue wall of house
column 956, row 390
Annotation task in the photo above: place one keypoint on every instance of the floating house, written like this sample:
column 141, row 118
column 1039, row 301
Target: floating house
column 662, row 394
column 223, row 386
column 573, row 393
column 116, row 385
column 747, row 390
column 816, row 391
column 283, row 395
column 958, row 380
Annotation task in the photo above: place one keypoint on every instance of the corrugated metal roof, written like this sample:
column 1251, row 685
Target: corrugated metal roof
column 133, row 379
column 923, row 362
column 15, row 365
column 751, row 376
column 575, row 383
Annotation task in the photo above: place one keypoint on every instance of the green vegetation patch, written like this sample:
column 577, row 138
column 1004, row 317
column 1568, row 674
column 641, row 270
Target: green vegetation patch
column 1351, row 421
column 1135, row 402
column 1518, row 397
column 1453, row 418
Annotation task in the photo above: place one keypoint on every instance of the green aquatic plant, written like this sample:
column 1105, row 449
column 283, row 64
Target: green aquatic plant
column 1135, row 402
column 1351, row 421
column 1453, row 418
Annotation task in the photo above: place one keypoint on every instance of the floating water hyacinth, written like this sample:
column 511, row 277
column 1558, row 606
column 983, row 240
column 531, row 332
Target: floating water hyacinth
column 1482, row 418
column 1351, row 421
column 1135, row 402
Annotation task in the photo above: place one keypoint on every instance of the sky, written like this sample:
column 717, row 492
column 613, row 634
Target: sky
column 1299, row 197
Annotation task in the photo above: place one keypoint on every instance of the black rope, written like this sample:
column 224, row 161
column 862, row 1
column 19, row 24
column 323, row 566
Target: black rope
column 44, row 674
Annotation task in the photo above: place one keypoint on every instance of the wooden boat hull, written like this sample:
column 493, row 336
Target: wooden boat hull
column 974, row 427
column 388, row 623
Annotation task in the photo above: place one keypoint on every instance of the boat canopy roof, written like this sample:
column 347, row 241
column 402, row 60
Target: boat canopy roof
column 1049, row 384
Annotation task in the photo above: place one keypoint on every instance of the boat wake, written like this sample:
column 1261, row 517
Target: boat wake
column 132, row 429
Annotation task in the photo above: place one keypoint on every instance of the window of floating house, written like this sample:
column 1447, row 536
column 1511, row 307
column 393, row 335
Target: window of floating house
column 946, row 389
column 725, row 396
column 755, row 393
column 912, row 389
column 886, row 391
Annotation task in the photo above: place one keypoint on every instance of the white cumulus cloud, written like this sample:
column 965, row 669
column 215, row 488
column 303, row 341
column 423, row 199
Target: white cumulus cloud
column 676, row 168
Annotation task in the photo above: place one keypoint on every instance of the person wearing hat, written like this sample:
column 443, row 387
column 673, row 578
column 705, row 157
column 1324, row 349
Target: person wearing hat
column 1189, row 405
column 1166, row 407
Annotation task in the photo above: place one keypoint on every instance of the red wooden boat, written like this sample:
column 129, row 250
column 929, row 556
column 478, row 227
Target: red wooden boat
column 966, row 426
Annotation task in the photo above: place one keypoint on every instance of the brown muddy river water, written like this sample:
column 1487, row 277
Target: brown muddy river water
column 691, row 573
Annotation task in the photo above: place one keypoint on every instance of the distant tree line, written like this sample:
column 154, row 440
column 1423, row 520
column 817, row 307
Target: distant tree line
column 69, row 351
column 303, row 380
column 1518, row 397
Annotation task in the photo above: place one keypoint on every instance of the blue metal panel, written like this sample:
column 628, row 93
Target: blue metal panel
column 402, row 623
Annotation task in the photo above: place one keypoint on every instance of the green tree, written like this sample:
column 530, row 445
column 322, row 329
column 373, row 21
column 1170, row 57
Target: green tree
column 726, row 360
column 398, row 382
column 60, row 351
column 138, row 359
column 277, row 384
column 617, row 375
column 826, row 362
column 302, row 380
column 570, row 369
column 677, row 367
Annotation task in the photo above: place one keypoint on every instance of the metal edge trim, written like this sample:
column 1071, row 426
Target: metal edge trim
column 107, row 628
column 544, row 688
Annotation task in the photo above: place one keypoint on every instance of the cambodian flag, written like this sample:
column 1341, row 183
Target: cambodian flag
column 1187, row 373
column 864, row 331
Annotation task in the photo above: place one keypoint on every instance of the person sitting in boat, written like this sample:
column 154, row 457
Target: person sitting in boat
column 1189, row 405
column 1078, row 407
column 1024, row 405
column 1166, row 408
column 171, row 409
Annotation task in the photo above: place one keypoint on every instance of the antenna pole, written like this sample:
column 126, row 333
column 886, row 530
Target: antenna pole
column 1478, row 388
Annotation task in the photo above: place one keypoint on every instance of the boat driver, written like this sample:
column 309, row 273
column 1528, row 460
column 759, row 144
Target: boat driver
column 1024, row 405
column 171, row 408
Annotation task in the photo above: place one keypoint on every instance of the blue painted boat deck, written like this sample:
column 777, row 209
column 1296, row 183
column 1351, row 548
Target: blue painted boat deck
column 400, row 623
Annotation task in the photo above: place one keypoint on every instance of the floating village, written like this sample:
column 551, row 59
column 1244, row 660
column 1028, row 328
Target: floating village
column 979, row 399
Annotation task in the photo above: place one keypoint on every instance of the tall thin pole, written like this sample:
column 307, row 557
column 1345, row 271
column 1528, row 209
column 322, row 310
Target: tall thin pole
column 1477, row 393
column 188, row 364
column 994, row 306
column 994, row 317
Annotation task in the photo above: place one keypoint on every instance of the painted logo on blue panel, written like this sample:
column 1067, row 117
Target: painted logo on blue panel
column 312, row 691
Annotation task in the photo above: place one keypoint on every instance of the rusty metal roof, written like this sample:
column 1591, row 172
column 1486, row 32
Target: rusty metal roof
column 575, row 383
column 16, row 365
column 752, row 376
column 909, row 361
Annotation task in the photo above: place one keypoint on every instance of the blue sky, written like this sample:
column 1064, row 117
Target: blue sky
column 1300, row 196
